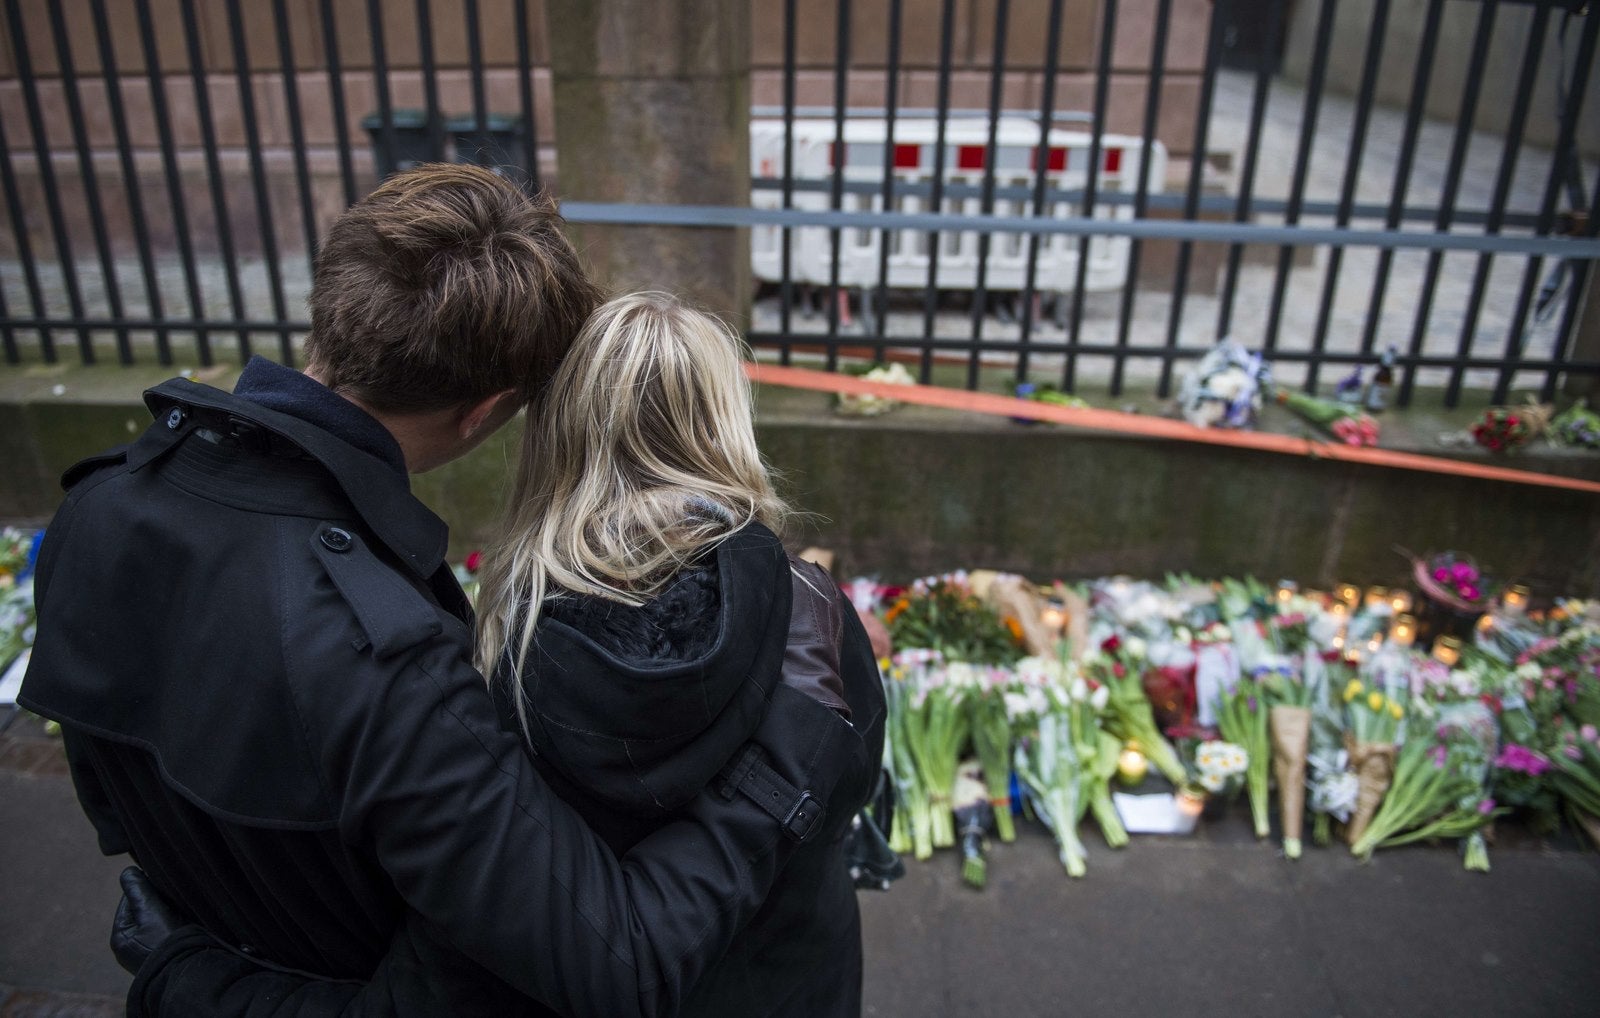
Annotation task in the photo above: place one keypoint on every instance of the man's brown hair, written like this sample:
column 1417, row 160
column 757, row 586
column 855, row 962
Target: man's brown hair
column 445, row 285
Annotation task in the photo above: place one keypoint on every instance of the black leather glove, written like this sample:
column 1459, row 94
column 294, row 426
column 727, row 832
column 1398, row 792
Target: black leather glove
column 143, row 921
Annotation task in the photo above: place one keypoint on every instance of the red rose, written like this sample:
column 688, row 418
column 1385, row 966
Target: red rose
column 474, row 560
column 1112, row 644
column 1119, row 669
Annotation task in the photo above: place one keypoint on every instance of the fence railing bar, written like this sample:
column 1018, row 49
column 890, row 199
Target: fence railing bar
column 930, row 295
column 1527, row 78
column 1261, row 91
column 841, row 99
column 87, row 176
column 1200, row 231
column 30, row 270
column 1041, row 168
column 1577, row 294
column 430, row 79
column 530, row 126
column 8, row 334
column 177, row 203
column 297, row 131
column 47, row 175
column 1452, row 181
column 991, row 151
column 1567, row 137
column 130, row 175
column 480, row 95
column 341, row 123
column 380, row 79
column 1141, row 199
column 1191, row 205
column 786, row 287
column 258, row 177
column 1427, row 49
column 214, row 178
column 1352, row 177
column 1308, row 136
column 1091, row 189
column 1209, row 204
column 879, row 313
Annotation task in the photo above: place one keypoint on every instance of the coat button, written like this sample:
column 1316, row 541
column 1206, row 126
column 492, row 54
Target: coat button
column 175, row 419
column 335, row 539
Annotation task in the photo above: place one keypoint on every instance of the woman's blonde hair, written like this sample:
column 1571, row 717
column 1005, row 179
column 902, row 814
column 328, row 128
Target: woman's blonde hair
column 639, row 455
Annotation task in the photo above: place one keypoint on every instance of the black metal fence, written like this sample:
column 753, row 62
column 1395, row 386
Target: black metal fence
column 1319, row 228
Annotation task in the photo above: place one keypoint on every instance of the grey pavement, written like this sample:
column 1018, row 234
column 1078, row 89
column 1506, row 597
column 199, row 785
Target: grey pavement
column 1214, row 924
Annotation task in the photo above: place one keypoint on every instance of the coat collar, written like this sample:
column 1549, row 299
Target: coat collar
column 380, row 495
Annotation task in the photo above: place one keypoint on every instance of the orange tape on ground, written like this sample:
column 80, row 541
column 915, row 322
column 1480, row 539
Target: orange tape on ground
column 1151, row 427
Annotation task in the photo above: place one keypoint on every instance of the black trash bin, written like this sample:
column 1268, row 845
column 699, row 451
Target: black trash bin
column 417, row 139
column 497, row 145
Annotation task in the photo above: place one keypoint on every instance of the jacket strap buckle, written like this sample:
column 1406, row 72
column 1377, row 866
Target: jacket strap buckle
column 799, row 813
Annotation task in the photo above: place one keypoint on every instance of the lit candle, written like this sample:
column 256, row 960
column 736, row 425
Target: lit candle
column 1054, row 617
column 1190, row 803
column 1349, row 593
column 1377, row 597
column 1515, row 600
column 1338, row 609
column 1132, row 765
column 1375, row 644
column 1447, row 651
column 1338, row 642
column 1400, row 600
column 1485, row 622
column 1404, row 633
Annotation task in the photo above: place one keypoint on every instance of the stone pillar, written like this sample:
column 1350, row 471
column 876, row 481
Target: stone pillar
column 652, row 105
column 1586, row 342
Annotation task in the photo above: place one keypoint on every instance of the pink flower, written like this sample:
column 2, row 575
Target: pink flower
column 1442, row 574
column 1573, row 752
column 1461, row 572
column 1469, row 592
column 1439, row 755
column 1588, row 732
column 1486, row 807
column 1522, row 760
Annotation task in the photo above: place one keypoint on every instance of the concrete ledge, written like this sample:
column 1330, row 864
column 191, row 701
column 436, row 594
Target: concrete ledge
column 922, row 491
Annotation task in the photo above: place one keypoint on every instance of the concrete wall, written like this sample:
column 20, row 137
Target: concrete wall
column 923, row 491
column 1352, row 27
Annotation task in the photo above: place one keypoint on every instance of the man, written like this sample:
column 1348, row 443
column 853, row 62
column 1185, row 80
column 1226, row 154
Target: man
column 261, row 663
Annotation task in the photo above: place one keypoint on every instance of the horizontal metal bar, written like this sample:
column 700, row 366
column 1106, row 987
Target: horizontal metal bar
column 177, row 324
column 1215, row 204
column 1144, row 229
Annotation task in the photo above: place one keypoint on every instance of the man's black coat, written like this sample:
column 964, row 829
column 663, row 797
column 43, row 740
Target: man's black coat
column 262, row 669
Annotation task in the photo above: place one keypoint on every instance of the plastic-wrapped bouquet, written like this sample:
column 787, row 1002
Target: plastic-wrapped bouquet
column 1502, row 429
column 1343, row 421
column 1577, row 426
column 1224, row 388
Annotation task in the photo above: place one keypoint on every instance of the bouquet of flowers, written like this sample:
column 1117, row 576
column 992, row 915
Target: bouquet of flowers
column 1372, row 725
column 1224, row 388
column 1220, row 766
column 1576, row 426
column 873, row 406
column 944, row 614
column 1242, row 720
column 1005, row 699
column 911, row 829
column 1343, row 421
column 936, row 727
column 1502, row 429
column 1454, row 581
column 1438, row 791
column 1055, row 771
column 1289, row 724
column 1128, row 716
column 973, row 814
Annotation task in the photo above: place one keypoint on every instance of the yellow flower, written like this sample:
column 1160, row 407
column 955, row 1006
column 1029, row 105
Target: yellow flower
column 1375, row 700
column 1352, row 690
column 1395, row 710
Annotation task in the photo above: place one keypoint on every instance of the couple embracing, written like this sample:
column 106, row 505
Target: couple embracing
column 621, row 787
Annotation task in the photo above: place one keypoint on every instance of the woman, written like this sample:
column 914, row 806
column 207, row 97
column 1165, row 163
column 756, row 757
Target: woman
column 635, row 613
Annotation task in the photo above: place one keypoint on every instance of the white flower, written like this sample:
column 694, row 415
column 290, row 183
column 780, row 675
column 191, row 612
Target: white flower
column 1018, row 705
column 1212, row 782
column 1335, row 793
column 1529, row 670
column 1464, row 682
column 1135, row 647
column 1100, row 698
column 1079, row 690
